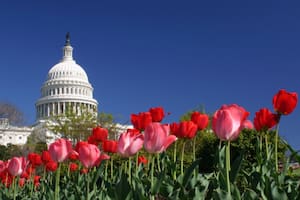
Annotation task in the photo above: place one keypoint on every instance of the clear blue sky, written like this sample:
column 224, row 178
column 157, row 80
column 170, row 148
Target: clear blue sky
column 139, row 54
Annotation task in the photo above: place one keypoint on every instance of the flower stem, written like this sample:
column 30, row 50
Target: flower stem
column 111, row 167
column 276, row 148
column 182, row 156
column 56, row 194
column 194, row 153
column 87, row 187
column 174, row 159
column 228, row 166
column 14, row 188
column 129, row 170
column 158, row 162
column 152, row 170
column 267, row 145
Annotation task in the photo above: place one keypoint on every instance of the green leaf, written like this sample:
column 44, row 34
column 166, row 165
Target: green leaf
column 236, row 167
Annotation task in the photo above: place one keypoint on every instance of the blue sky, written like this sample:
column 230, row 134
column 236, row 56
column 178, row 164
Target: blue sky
column 140, row 54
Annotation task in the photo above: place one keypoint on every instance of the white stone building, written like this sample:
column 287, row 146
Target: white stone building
column 66, row 87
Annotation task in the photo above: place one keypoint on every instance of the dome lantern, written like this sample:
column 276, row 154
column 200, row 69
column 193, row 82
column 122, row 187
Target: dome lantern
column 67, row 49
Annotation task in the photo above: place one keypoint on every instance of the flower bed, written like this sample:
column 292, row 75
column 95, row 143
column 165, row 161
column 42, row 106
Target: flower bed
column 150, row 161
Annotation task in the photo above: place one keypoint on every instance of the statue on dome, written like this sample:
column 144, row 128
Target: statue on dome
column 68, row 39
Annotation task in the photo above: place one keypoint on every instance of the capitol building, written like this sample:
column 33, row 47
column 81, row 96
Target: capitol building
column 66, row 87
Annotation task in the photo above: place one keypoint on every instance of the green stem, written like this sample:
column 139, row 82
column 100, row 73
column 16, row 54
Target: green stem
column 87, row 187
column 56, row 194
column 129, row 170
column 276, row 148
column 152, row 171
column 174, row 159
column 228, row 166
column 194, row 153
column 267, row 145
column 111, row 167
column 182, row 156
column 105, row 174
column 14, row 188
column 158, row 162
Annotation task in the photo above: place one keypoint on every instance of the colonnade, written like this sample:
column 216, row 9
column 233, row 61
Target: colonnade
column 60, row 108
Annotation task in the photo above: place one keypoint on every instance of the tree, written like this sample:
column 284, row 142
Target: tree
column 12, row 113
column 71, row 125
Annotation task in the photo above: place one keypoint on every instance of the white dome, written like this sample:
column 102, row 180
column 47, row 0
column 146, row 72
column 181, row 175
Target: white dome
column 66, row 85
column 67, row 70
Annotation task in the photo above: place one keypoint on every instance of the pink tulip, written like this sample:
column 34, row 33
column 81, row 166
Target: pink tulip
column 60, row 149
column 89, row 155
column 157, row 137
column 16, row 166
column 247, row 124
column 130, row 143
column 228, row 121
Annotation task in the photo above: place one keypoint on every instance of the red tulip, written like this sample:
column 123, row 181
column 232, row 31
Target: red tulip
column 285, row 102
column 46, row 157
column 73, row 155
column 174, row 128
column 73, row 167
column 100, row 134
column 51, row 166
column 228, row 120
column 16, row 166
column 130, row 143
column 34, row 159
column 264, row 119
column 200, row 119
column 110, row 146
column 3, row 166
column 141, row 120
column 22, row 182
column 157, row 114
column 157, row 138
column 89, row 155
column 142, row 159
column 187, row 129
column 60, row 149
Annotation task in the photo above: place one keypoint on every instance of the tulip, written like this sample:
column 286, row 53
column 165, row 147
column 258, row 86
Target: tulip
column 285, row 102
column 141, row 120
column 89, row 155
column 264, row 119
column 157, row 138
column 16, row 166
column 34, row 159
column 46, row 157
column 100, row 134
column 157, row 114
column 186, row 129
column 73, row 155
column 200, row 119
column 110, row 146
column 228, row 120
column 60, row 149
column 142, row 159
column 247, row 124
column 130, row 143
column 73, row 167
column 51, row 166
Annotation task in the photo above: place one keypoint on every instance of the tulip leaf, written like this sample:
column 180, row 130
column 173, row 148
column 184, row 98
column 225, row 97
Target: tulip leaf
column 235, row 167
column 189, row 172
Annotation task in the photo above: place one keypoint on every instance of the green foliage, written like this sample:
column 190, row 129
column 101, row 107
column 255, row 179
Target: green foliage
column 73, row 125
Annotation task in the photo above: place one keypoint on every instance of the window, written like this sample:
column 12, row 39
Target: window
column 20, row 137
